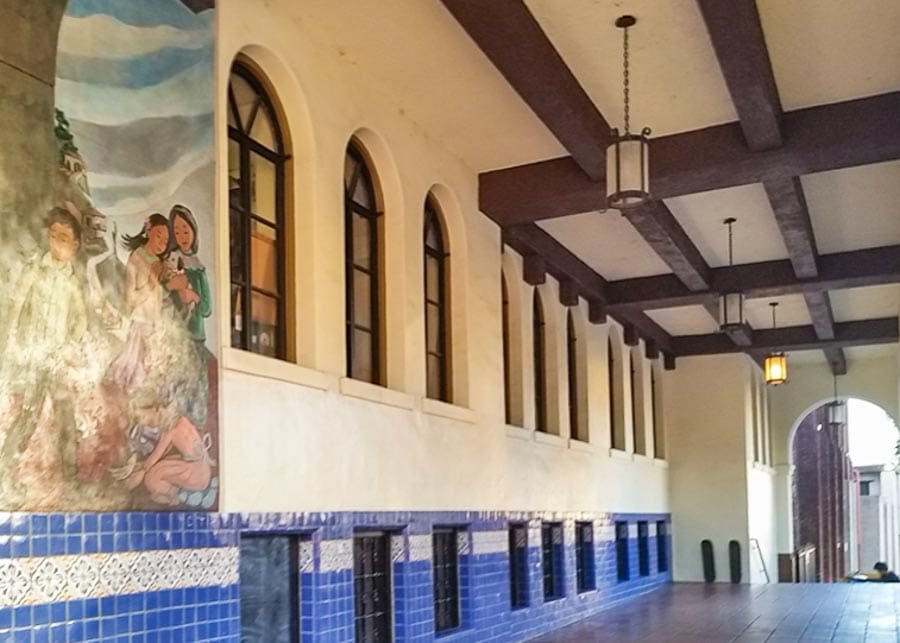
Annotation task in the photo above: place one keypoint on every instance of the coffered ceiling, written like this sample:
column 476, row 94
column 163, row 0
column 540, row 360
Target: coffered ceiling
column 784, row 115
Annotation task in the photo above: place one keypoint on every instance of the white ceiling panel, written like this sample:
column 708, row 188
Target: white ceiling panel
column 852, row 353
column 792, row 311
column 855, row 208
column 756, row 235
column 607, row 243
column 684, row 320
column 672, row 60
column 866, row 303
column 825, row 51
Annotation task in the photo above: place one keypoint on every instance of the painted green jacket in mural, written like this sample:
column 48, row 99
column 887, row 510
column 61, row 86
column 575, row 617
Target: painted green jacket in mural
column 199, row 283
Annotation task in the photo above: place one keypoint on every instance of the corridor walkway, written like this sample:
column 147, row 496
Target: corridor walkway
column 778, row 613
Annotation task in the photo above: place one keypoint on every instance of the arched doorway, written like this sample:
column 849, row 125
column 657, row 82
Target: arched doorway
column 835, row 460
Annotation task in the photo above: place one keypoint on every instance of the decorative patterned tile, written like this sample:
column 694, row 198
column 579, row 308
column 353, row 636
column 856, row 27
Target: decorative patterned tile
column 48, row 580
column 83, row 576
column 463, row 541
column 113, row 575
column 335, row 555
column 14, row 583
column 305, row 556
column 398, row 547
column 420, row 547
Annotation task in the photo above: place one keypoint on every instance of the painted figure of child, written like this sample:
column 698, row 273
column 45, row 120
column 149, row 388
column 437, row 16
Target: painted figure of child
column 179, row 461
column 143, row 299
column 47, row 321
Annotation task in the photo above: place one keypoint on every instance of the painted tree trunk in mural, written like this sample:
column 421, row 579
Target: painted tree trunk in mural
column 108, row 380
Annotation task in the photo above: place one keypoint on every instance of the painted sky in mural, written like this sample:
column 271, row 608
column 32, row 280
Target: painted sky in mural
column 109, row 379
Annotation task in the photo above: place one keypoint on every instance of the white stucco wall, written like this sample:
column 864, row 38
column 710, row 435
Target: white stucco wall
column 300, row 437
column 708, row 435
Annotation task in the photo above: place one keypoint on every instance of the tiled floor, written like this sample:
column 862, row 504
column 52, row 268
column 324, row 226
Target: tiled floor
column 778, row 613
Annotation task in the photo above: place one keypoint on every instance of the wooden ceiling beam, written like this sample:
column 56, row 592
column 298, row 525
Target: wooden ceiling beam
column 737, row 37
column 563, row 265
column 792, row 216
column 825, row 137
column 511, row 38
column 794, row 338
column 853, row 269
column 662, row 232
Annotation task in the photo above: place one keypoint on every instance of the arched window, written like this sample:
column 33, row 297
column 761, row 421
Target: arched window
column 575, row 428
column 507, row 370
column 539, row 340
column 256, row 170
column 637, row 415
column 617, row 434
column 657, row 443
column 362, row 249
column 437, row 307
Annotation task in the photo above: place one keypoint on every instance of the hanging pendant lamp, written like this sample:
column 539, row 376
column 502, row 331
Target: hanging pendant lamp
column 775, row 366
column 628, row 155
column 836, row 410
column 731, row 302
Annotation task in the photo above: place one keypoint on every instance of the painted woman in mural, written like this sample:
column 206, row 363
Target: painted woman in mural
column 188, row 281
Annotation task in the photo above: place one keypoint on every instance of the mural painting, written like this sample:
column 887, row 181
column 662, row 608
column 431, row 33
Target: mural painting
column 108, row 380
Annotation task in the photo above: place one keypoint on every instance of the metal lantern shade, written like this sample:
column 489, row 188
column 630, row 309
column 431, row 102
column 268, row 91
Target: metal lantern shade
column 628, row 170
column 776, row 369
column 731, row 310
column 836, row 414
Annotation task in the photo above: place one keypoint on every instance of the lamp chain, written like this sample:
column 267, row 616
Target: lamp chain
column 625, row 82
column 773, row 305
column 730, row 244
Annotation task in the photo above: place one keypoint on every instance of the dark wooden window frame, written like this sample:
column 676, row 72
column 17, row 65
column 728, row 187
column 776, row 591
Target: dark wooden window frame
column 292, row 579
column 662, row 547
column 433, row 220
column 518, row 566
column 654, row 416
column 374, row 588
column 507, row 356
column 639, row 446
column 572, row 368
column 241, row 338
column 611, row 372
column 623, row 563
column 372, row 218
column 446, row 579
column 539, row 342
column 585, row 574
column 643, row 542
column 552, row 557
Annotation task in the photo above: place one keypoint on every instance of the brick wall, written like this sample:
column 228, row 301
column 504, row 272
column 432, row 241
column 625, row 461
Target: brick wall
column 821, row 476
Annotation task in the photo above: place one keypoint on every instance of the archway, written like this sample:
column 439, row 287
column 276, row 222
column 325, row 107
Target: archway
column 832, row 533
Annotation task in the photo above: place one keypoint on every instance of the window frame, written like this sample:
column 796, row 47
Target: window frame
column 454, row 594
column 293, row 576
column 643, row 542
column 585, row 571
column 623, row 558
column 434, row 220
column 507, row 355
column 573, row 379
column 539, row 345
column 518, row 566
column 241, row 338
column 387, row 584
column 662, row 547
column 372, row 218
column 552, row 561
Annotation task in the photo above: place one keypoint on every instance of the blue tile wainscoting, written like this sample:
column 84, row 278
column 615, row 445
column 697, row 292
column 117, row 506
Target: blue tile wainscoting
column 175, row 576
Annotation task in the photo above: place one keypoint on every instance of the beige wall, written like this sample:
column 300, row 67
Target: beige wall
column 708, row 404
column 300, row 437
